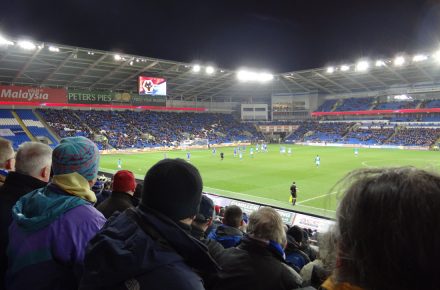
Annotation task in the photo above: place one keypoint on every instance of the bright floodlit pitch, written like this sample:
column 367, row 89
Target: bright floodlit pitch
column 266, row 178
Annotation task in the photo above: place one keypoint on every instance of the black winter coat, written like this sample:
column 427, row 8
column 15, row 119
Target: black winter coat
column 254, row 266
column 118, row 201
column 15, row 186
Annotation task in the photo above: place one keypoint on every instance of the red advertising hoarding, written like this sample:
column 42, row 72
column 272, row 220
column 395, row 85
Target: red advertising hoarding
column 32, row 95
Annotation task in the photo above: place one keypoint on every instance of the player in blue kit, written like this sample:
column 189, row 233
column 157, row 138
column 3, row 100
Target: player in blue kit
column 317, row 161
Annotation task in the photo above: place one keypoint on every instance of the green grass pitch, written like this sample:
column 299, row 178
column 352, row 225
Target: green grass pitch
column 266, row 178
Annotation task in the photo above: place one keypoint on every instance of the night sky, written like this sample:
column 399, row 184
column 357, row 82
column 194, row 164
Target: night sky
column 276, row 35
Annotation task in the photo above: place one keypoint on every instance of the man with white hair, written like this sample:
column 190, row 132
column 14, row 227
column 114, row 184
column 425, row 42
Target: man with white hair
column 259, row 261
column 7, row 159
column 32, row 171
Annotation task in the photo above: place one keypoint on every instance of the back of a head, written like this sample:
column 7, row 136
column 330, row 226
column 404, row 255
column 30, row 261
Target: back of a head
column 32, row 157
column 173, row 187
column 267, row 224
column 233, row 216
column 206, row 210
column 6, row 151
column 296, row 233
column 124, row 181
column 388, row 229
column 76, row 154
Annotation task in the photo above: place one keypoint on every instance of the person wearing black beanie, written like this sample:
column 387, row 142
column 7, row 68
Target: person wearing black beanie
column 150, row 246
column 173, row 187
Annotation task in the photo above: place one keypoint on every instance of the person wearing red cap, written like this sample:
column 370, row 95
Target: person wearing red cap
column 124, row 185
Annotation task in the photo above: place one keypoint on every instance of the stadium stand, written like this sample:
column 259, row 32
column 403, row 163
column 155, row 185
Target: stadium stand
column 414, row 136
column 131, row 129
column 34, row 125
column 368, row 136
column 355, row 104
column 17, row 135
column 327, row 106
column 397, row 105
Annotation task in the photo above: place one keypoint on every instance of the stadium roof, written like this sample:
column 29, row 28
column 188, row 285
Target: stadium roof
column 53, row 65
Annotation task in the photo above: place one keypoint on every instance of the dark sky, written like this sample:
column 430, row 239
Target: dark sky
column 277, row 35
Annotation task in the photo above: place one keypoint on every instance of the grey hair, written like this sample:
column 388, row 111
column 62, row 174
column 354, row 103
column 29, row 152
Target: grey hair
column 32, row 157
column 267, row 224
column 6, row 151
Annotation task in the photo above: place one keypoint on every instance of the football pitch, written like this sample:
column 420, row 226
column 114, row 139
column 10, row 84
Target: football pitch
column 266, row 177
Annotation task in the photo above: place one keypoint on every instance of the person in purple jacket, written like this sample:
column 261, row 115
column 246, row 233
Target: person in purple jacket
column 52, row 225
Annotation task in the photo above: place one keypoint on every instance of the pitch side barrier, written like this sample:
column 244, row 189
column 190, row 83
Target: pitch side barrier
column 324, row 144
column 290, row 217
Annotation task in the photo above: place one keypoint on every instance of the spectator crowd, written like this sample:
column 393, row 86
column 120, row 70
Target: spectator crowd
column 164, row 233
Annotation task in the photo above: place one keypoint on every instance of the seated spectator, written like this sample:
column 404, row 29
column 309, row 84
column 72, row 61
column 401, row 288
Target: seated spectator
column 318, row 270
column 294, row 256
column 52, row 225
column 150, row 247
column 202, row 222
column 229, row 234
column 7, row 159
column 32, row 167
column 124, row 185
column 258, row 262
column 387, row 231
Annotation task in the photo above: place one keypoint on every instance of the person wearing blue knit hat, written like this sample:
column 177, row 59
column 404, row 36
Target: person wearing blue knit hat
column 52, row 225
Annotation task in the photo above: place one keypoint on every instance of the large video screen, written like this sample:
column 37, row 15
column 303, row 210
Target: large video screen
column 152, row 86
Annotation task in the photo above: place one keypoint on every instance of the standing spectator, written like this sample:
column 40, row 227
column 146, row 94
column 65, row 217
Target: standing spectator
column 32, row 167
column 229, row 234
column 201, row 224
column 149, row 247
column 7, row 159
column 296, row 258
column 388, row 231
column 124, row 185
column 258, row 262
column 52, row 225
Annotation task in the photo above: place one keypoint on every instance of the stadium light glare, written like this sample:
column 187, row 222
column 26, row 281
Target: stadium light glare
column 131, row 62
column 264, row 77
column 380, row 63
column 362, row 66
column 345, row 67
column 4, row 41
column 196, row 68
column 436, row 56
column 117, row 57
column 210, row 70
column 330, row 70
column 54, row 49
column 419, row 58
column 399, row 61
column 26, row 44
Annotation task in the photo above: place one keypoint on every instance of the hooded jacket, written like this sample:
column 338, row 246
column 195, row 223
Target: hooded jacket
column 49, row 234
column 227, row 236
column 142, row 249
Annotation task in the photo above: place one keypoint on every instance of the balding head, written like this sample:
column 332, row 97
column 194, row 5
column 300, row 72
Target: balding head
column 7, row 158
column 34, row 159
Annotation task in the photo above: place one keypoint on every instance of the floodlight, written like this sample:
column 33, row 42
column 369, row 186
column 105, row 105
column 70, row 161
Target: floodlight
column 131, row 62
column 419, row 57
column 209, row 70
column 117, row 57
column 54, row 49
column 26, row 44
column 196, row 68
column 264, row 77
column 345, row 67
column 4, row 41
column 245, row 76
column 362, row 65
column 399, row 61
column 436, row 56
column 330, row 70
column 380, row 63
